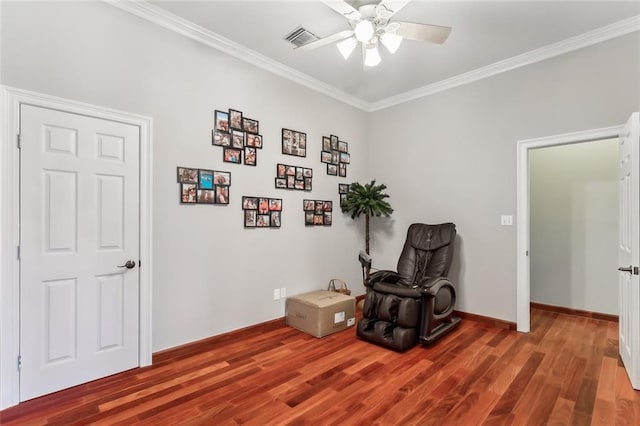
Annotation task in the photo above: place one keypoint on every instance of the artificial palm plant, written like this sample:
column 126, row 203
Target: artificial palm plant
column 368, row 199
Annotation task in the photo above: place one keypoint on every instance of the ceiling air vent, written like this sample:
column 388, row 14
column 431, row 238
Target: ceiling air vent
column 300, row 36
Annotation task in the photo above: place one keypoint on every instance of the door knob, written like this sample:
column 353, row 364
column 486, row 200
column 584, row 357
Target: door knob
column 630, row 269
column 129, row 265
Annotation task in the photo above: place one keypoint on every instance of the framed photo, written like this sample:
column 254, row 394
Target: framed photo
column 275, row 219
column 249, row 203
column 232, row 155
column 187, row 175
column 291, row 170
column 327, row 219
column 318, row 219
column 263, row 206
column 221, row 120
column 319, row 207
column 308, row 218
column 299, row 184
column 250, row 156
column 308, row 205
column 249, row 125
column 342, row 170
column 307, row 184
column 221, row 138
column 281, row 170
column 343, row 199
column 206, row 196
column 308, row 173
column 299, row 175
column 281, row 183
column 263, row 221
column 188, row 193
column 325, row 156
column 237, row 139
column 222, row 195
column 235, row 119
column 345, row 157
column 250, row 218
column 332, row 169
column 334, row 142
column 253, row 140
column 291, row 182
column 221, row 178
column 294, row 143
column 335, row 157
column 343, row 146
column 275, row 204
column 326, row 143
column 327, row 206
column 205, row 179
column 343, row 188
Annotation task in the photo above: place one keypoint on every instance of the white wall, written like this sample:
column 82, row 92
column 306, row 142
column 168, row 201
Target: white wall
column 457, row 153
column 210, row 274
column 574, row 226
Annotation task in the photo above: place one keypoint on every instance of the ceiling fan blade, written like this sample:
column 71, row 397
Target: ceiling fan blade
column 423, row 32
column 388, row 8
column 326, row 40
column 344, row 9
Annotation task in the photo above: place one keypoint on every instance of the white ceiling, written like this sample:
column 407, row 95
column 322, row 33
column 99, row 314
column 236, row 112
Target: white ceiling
column 484, row 32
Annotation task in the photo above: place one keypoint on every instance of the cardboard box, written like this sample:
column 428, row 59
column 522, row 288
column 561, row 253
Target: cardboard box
column 321, row 312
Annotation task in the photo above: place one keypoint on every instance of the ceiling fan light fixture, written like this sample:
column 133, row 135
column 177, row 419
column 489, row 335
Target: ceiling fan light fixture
column 371, row 55
column 364, row 30
column 346, row 46
column 391, row 41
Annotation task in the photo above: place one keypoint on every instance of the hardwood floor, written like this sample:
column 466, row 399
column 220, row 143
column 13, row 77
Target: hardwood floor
column 566, row 371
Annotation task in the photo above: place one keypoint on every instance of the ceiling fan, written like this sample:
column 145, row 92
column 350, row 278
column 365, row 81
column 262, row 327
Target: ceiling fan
column 371, row 24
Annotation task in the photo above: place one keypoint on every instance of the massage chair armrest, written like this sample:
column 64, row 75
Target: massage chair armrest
column 431, row 286
column 382, row 276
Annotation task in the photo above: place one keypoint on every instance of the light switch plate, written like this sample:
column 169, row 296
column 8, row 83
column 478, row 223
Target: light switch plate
column 506, row 220
column 276, row 294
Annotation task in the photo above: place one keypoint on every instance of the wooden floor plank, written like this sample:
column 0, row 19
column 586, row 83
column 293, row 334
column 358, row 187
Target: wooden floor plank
column 566, row 371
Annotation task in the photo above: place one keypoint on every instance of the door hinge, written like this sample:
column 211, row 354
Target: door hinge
column 139, row 263
column 19, row 361
column 19, row 141
column 527, row 253
column 635, row 270
column 18, row 252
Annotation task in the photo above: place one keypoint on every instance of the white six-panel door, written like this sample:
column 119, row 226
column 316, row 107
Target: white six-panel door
column 629, row 249
column 79, row 214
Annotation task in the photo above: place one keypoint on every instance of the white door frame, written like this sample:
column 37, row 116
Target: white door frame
column 10, row 101
column 523, row 295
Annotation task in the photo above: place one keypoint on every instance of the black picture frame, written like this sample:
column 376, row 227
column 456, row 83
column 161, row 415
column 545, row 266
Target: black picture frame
column 250, row 217
column 237, row 139
column 221, row 178
column 250, row 156
column 250, row 125
column 281, row 183
column 249, row 203
column 343, row 146
column 325, row 157
column 221, row 120
column 332, row 169
column 334, row 142
column 253, row 140
column 188, row 193
column 232, row 155
column 235, row 119
column 222, row 194
column 345, row 157
column 206, row 196
column 326, row 143
column 205, row 179
column 294, row 143
column 187, row 175
column 317, row 212
column 343, row 188
column 220, row 138
column 342, row 170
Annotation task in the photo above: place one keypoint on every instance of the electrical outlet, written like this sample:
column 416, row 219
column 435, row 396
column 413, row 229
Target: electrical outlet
column 506, row 220
column 283, row 292
column 276, row 294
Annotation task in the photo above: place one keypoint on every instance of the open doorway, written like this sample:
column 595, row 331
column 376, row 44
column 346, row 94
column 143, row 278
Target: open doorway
column 525, row 149
column 573, row 211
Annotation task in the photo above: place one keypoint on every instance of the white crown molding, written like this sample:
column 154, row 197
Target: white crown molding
column 168, row 20
column 590, row 38
column 159, row 16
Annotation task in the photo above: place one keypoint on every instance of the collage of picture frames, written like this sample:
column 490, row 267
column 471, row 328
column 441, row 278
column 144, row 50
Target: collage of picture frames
column 201, row 186
column 240, row 139
column 238, row 136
